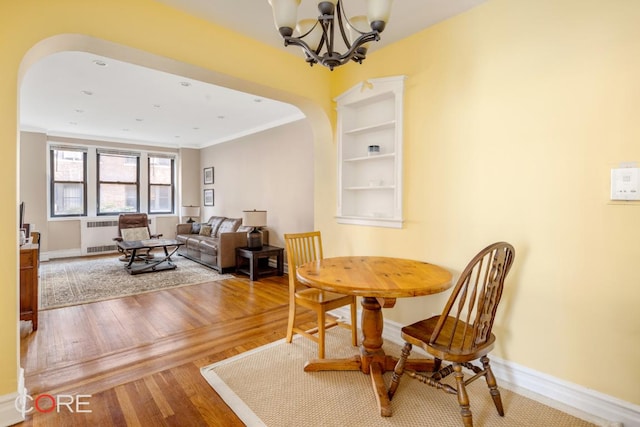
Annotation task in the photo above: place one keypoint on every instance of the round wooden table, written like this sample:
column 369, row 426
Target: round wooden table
column 379, row 281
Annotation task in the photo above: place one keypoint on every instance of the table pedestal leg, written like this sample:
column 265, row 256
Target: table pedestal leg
column 372, row 359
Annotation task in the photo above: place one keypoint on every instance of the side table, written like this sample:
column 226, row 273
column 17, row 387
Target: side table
column 253, row 267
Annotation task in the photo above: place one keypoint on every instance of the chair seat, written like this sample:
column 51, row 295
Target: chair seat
column 317, row 296
column 419, row 334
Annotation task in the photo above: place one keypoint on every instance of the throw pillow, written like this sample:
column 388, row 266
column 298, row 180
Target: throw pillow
column 205, row 230
column 138, row 233
column 195, row 227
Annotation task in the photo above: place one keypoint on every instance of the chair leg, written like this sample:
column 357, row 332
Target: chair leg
column 436, row 364
column 354, row 323
column 292, row 319
column 493, row 385
column 321, row 329
column 399, row 369
column 463, row 397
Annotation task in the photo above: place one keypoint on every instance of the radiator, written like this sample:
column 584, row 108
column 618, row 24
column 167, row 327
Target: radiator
column 96, row 235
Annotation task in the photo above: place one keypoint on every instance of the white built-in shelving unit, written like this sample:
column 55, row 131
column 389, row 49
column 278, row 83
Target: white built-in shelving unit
column 370, row 184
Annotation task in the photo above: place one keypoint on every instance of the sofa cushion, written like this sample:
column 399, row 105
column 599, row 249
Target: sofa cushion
column 182, row 238
column 209, row 247
column 205, row 230
column 215, row 222
column 193, row 243
column 229, row 225
column 195, row 227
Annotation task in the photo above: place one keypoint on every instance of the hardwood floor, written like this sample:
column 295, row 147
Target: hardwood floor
column 139, row 358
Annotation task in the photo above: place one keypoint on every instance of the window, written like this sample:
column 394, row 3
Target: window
column 118, row 182
column 68, row 182
column 160, row 184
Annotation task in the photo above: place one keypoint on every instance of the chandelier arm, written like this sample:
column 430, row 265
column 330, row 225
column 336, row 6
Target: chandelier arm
column 364, row 38
column 323, row 41
column 296, row 41
column 329, row 32
column 339, row 12
column 308, row 32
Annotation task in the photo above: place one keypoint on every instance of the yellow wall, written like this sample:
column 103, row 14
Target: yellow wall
column 514, row 114
column 143, row 32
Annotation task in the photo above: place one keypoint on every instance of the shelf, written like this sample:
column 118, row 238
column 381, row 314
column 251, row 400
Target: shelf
column 371, row 187
column 373, row 128
column 370, row 158
column 370, row 221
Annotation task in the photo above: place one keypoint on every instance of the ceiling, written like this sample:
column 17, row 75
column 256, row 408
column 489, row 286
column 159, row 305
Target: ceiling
column 81, row 95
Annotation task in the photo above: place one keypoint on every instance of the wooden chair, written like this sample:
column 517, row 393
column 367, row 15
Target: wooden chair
column 462, row 333
column 302, row 248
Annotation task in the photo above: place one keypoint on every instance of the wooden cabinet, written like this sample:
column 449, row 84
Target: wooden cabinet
column 370, row 153
column 29, row 283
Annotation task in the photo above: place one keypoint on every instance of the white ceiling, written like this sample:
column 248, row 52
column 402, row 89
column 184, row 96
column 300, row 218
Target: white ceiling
column 70, row 94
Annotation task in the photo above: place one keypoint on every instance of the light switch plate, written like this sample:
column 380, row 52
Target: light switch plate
column 625, row 184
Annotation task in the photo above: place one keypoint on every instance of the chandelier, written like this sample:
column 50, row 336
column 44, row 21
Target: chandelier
column 317, row 36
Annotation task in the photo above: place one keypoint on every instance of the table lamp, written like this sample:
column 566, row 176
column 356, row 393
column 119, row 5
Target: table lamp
column 255, row 219
column 191, row 211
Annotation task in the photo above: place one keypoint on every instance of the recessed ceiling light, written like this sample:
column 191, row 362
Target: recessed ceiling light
column 73, row 123
column 139, row 120
column 257, row 100
column 185, row 84
column 156, row 105
column 221, row 117
column 100, row 63
column 177, row 136
column 196, row 128
column 79, row 110
column 87, row 92
column 125, row 129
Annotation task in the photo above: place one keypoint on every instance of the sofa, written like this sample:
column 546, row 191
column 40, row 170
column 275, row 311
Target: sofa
column 213, row 243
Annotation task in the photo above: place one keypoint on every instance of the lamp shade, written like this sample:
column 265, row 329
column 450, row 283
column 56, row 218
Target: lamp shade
column 360, row 23
column 190, row 211
column 254, row 218
column 314, row 37
column 285, row 12
column 379, row 10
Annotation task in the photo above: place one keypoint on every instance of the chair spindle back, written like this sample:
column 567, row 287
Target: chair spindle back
column 301, row 248
column 471, row 309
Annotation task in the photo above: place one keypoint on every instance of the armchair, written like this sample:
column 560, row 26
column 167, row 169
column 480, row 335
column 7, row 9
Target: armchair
column 134, row 226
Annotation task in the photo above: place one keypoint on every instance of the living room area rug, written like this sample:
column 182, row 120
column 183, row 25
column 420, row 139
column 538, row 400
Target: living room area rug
column 76, row 281
column 267, row 386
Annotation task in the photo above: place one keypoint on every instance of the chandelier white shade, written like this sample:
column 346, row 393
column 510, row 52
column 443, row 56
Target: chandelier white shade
column 317, row 37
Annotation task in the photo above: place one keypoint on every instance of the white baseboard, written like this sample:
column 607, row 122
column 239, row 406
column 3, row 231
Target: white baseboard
column 9, row 414
column 65, row 253
column 589, row 405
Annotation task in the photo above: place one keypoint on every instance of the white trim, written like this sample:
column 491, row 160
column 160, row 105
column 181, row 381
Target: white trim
column 64, row 253
column 574, row 399
column 9, row 414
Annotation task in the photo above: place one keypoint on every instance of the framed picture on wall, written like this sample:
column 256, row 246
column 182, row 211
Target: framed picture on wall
column 208, row 197
column 208, row 175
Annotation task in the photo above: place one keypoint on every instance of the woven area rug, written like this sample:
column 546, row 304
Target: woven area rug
column 80, row 281
column 267, row 386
